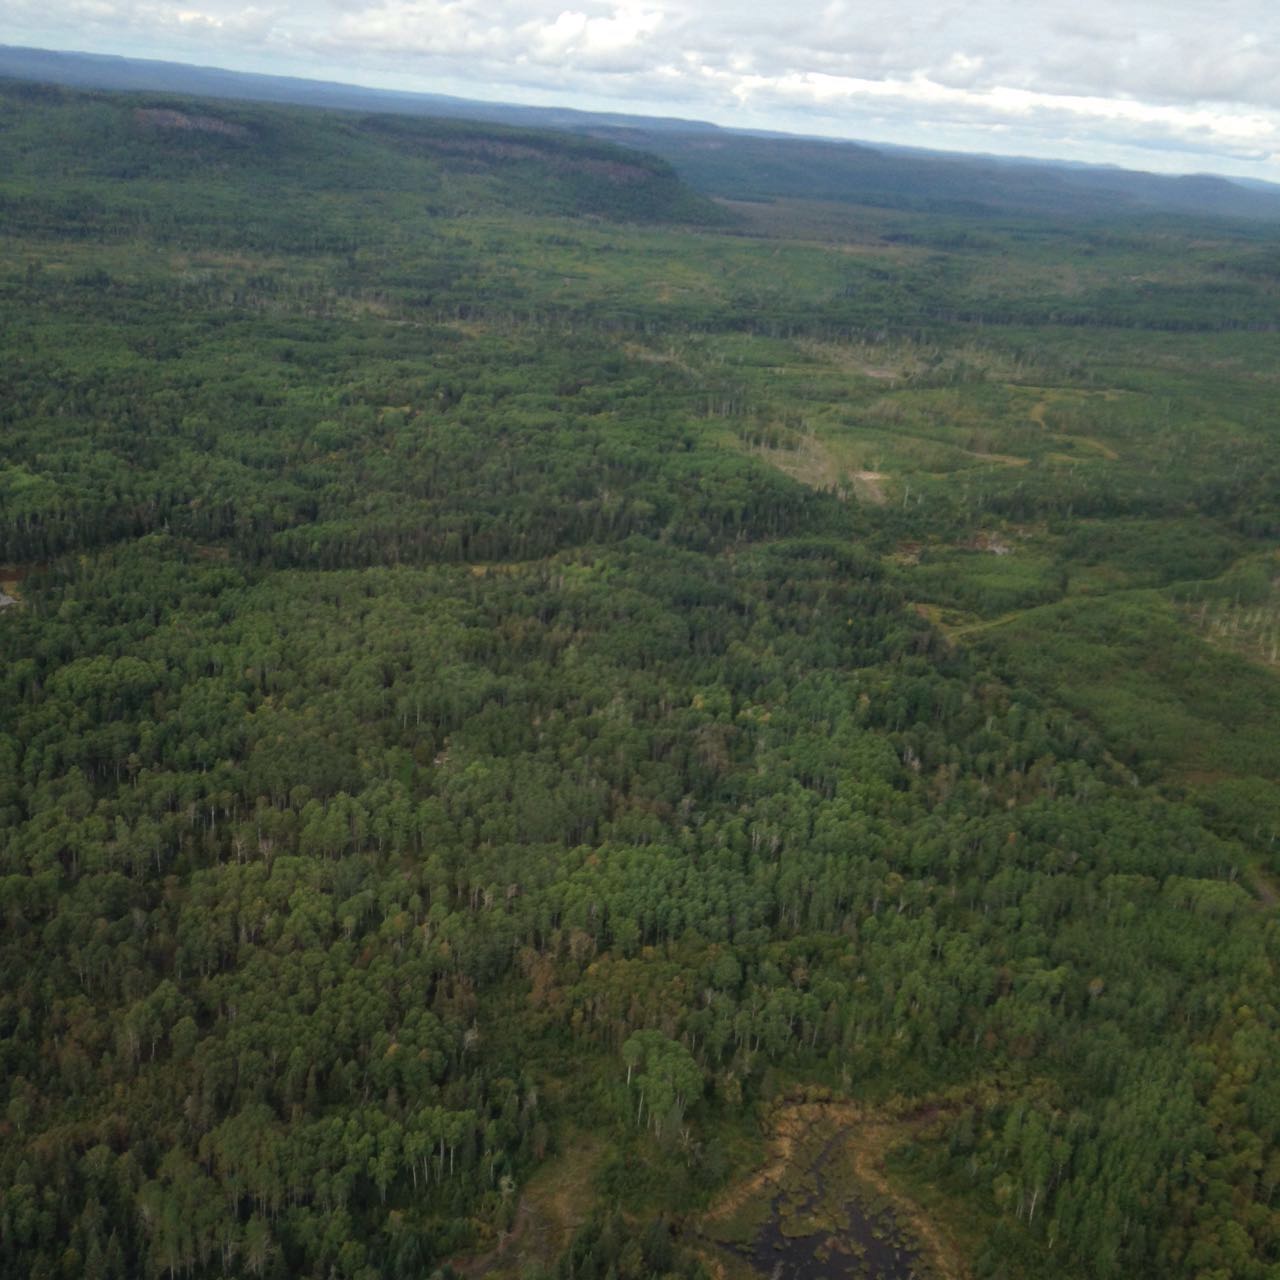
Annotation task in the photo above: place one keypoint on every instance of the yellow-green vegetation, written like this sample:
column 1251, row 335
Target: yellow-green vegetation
column 550, row 1208
column 1240, row 611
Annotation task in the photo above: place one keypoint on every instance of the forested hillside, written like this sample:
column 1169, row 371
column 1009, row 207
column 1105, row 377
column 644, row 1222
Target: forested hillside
column 728, row 162
column 521, row 683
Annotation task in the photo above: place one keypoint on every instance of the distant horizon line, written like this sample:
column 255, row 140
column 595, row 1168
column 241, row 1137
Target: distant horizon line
column 640, row 117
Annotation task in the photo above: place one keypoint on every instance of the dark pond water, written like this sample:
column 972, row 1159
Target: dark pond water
column 869, row 1245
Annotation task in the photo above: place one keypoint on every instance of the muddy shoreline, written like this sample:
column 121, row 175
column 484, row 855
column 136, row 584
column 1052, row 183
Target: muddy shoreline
column 823, row 1209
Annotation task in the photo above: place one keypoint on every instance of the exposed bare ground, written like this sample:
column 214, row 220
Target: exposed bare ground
column 1007, row 459
column 163, row 118
column 812, row 463
column 868, row 485
column 650, row 356
column 815, row 463
column 870, row 362
column 868, row 1136
column 11, row 577
column 989, row 541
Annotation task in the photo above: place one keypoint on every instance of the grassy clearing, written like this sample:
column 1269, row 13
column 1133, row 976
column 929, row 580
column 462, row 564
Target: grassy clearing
column 554, row 1204
column 1252, row 631
column 1159, row 692
column 1240, row 612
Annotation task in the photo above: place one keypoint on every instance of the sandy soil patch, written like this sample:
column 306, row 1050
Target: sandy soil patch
column 1005, row 459
column 815, row 463
column 11, row 576
column 869, row 486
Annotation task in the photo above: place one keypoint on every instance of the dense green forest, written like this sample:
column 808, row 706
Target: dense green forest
column 516, row 674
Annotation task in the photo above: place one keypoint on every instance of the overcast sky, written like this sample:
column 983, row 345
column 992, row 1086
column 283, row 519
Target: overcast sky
column 1171, row 85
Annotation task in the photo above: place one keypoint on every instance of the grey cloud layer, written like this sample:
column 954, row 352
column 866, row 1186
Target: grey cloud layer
column 1136, row 73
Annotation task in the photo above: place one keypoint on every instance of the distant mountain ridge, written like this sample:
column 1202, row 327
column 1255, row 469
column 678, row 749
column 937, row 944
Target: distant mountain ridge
column 108, row 71
column 98, row 162
column 724, row 162
column 746, row 166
